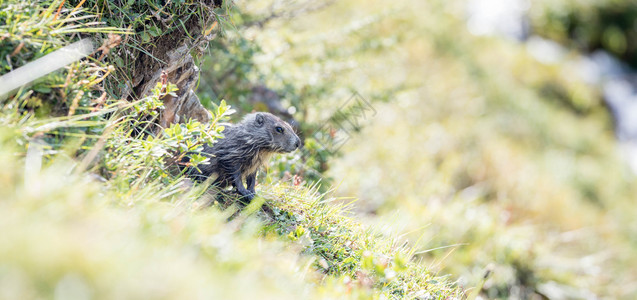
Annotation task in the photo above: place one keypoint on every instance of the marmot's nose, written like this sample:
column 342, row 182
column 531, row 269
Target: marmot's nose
column 298, row 144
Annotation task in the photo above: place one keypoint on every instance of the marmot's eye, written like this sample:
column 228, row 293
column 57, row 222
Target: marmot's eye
column 279, row 129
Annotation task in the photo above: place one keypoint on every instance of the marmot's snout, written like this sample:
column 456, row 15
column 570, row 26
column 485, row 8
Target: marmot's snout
column 293, row 141
column 298, row 143
column 293, row 144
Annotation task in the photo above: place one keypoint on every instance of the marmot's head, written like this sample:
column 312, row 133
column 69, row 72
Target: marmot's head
column 279, row 133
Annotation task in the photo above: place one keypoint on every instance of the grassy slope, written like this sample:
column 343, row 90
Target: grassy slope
column 67, row 235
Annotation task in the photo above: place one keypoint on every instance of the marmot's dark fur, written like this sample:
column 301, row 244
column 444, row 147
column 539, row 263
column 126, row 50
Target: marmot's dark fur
column 246, row 146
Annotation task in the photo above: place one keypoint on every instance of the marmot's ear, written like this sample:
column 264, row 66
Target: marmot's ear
column 260, row 120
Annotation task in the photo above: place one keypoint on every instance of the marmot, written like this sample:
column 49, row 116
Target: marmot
column 246, row 146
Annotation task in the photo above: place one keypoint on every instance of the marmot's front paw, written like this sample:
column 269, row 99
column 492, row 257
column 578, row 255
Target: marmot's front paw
column 246, row 198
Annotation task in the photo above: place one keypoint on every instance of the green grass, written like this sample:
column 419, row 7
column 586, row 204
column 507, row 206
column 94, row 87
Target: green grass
column 342, row 247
